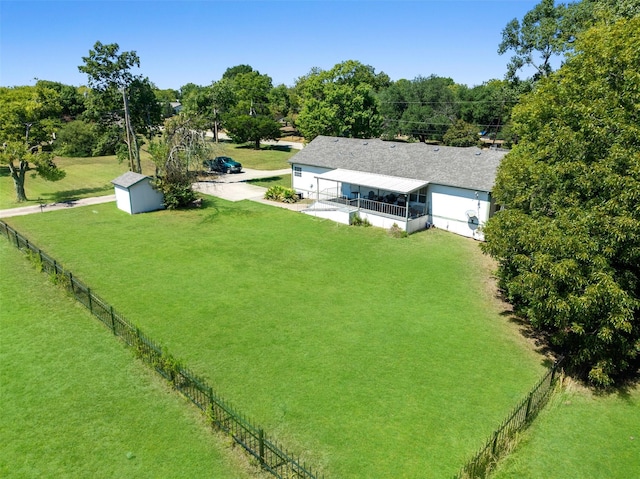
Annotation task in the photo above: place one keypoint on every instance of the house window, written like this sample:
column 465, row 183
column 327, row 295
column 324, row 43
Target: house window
column 420, row 196
column 297, row 171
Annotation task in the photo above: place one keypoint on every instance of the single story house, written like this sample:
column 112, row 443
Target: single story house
column 412, row 185
column 135, row 194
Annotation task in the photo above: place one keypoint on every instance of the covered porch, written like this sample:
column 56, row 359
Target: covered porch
column 381, row 199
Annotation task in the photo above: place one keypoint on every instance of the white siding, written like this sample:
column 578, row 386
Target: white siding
column 138, row 198
column 448, row 207
column 144, row 198
column 123, row 201
column 307, row 183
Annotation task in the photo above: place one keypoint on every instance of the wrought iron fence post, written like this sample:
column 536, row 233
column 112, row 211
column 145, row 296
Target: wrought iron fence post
column 113, row 321
column 526, row 414
column 261, row 444
column 90, row 302
column 73, row 290
column 494, row 446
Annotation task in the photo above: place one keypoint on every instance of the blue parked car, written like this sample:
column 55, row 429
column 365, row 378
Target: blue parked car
column 222, row 164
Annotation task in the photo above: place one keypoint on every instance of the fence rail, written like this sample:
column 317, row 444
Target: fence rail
column 271, row 456
column 502, row 440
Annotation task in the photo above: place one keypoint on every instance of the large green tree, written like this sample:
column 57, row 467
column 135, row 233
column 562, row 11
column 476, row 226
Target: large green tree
column 549, row 31
column 250, row 128
column 120, row 97
column 542, row 35
column 568, row 241
column 207, row 105
column 249, row 118
column 341, row 101
column 423, row 108
column 29, row 118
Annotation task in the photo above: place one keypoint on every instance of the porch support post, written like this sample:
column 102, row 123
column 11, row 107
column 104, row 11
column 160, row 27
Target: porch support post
column 406, row 211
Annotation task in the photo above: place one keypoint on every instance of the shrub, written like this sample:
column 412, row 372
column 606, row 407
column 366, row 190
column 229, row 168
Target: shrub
column 358, row 221
column 282, row 194
column 396, row 232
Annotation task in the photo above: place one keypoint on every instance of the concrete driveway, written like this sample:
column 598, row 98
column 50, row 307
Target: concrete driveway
column 234, row 187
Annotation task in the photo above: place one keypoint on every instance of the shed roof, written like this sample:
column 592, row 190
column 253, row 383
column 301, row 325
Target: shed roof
column 471, row 168
column 372, row 180
column 128, row 179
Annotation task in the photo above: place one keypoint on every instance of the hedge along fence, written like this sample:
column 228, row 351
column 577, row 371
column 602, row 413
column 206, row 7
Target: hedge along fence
column 222, row 416
column 503, row 439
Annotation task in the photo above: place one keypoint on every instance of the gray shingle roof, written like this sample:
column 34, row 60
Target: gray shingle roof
column 470, row 168
column 128, row 179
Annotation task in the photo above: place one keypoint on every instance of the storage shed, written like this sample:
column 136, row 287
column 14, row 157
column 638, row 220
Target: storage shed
column 135, row 194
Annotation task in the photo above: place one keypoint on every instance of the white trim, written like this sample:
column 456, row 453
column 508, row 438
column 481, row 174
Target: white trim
column 372, row 180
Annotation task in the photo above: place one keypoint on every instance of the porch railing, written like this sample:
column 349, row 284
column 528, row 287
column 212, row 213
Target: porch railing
column 387, row 209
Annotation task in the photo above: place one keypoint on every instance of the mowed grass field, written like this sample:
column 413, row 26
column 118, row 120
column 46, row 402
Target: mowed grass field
column 369, row 356
column 86, row 177
column 75, row 404
column 580, row 435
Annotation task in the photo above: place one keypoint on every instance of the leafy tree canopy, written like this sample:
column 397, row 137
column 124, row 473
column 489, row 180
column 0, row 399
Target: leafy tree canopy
column 29, row 117
column 568, row 242
column 423, row 108
column 461, row 134
column 340, row 102
column 541, row 36
column 244, row 128
column 118, row 94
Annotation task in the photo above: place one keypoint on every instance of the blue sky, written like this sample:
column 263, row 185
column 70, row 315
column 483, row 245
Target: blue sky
column 191, row 41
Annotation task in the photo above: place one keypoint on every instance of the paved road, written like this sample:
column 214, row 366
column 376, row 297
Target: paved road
column 231, row 187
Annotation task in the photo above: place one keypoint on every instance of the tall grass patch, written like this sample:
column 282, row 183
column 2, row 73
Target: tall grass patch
column 369, row 355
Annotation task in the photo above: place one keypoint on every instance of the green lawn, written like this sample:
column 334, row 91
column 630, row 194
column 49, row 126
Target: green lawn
column 580, row 436
column 284, row 180
column 86, row 177
column 267, row 158
column 369, row 356
column 75, row 404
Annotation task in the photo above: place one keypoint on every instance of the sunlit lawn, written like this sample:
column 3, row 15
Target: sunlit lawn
column 267, row 158
column 370, row 356
column 75, row 404
column 581, row 435
column 86, row 177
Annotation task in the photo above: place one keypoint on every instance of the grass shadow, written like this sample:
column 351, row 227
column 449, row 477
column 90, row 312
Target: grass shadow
column 271, row 179
column 285, row 148
column 72, row 195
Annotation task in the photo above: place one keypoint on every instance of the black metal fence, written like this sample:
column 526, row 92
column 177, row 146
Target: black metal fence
column 222, row 416
column 271, row 456
column 503, row 439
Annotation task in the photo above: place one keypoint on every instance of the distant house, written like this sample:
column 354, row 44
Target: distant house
column 413, row 185
column 176, row 106
column 134, row 194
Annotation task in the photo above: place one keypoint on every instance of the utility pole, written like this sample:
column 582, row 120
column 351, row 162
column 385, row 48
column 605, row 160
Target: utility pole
column 134, row 159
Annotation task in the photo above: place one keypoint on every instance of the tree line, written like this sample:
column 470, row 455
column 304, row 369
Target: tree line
column 567, row 237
